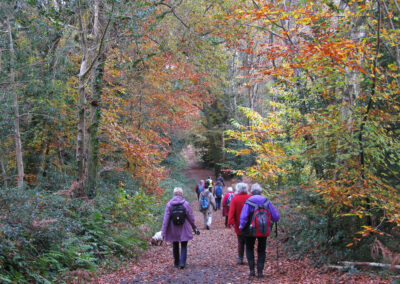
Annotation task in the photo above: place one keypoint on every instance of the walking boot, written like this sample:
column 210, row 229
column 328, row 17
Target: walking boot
column 251, row 266
column 260, row 268
column 240, row 260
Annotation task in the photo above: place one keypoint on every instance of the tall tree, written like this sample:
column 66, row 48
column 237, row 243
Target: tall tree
column 14, row 91
column 100, row 28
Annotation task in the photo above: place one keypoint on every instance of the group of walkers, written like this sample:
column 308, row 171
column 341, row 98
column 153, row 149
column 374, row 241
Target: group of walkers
column 210, row 197
column 250, row 216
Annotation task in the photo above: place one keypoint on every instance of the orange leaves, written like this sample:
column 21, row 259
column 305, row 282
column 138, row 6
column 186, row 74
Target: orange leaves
column 145, row 105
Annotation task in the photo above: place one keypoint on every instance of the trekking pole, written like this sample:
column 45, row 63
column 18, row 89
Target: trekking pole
column 277, row 250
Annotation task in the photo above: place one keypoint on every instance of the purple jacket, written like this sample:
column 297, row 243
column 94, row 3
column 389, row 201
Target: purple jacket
column 178, row 233
column 248, row 209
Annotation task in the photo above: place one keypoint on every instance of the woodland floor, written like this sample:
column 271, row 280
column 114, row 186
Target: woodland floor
column 212, row 259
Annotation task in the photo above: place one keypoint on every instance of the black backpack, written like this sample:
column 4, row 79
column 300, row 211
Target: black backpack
column 178, row 214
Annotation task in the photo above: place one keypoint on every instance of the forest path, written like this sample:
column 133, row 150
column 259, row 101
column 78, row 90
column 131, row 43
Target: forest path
column 212, row 257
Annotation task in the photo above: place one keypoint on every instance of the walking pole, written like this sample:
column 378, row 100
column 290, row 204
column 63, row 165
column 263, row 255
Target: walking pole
column 277, row 251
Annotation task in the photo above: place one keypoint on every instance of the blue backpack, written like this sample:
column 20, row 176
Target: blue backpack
column 218, row 191
column 228, row 201
column 204, row 204
column 200, row 188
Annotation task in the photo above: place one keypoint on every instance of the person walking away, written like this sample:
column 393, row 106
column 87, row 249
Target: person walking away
column 235, row 208
column 226, row 204
column 207, row 203
column 221, row 179
column 255, row 223
column 177, row 226
column 199, row 188
column 218, row 194
column 209, row 184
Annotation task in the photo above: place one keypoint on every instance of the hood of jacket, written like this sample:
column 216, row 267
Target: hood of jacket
column 259, row 199
column 177, row 200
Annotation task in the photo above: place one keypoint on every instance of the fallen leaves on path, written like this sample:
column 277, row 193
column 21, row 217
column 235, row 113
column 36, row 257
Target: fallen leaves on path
column 212, row 258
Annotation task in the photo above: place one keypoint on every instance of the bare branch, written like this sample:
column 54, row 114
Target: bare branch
column 176, row 16
column 100, row 46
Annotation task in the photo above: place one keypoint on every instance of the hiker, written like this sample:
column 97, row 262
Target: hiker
column 260, row 230
column 218, row 194
column 209, row 184
column 221, row 179
column 177, row 226
column 226, row 204
column 207, row 203
column 235, row 208
column 200, row 188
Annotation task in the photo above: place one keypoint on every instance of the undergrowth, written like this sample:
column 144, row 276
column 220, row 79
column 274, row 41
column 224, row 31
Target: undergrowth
column 47, row 238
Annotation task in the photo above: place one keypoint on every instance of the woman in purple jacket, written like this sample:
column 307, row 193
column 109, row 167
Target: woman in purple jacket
column 178, row 233
column 245, row 217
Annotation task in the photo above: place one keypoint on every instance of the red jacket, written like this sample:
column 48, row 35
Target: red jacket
column 235, row 209
column 225, row 209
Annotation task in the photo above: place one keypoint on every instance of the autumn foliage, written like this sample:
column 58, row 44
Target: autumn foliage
column 339, row 102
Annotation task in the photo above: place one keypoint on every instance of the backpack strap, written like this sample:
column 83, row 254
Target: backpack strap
column 257, row 206
column 266, row 203
column 253, row 204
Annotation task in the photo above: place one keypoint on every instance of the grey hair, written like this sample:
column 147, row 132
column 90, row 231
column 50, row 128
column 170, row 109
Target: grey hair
column 178, row 191
column 242, row 187
column 256, row 189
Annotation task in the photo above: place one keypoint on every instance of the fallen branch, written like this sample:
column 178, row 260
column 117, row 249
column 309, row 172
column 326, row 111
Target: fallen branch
column 339, row 267
column 373, row 264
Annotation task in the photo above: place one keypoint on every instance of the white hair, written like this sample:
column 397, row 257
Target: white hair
column 256, row 189
column 242, row 187
column 178, row 191
column 230, row 189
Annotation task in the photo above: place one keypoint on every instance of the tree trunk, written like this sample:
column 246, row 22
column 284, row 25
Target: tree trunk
column 95, row 116
column 223, row 146
column 80, row 147
column 233, row 71
column 95, row 105
column 3, row 171
column 80, row 143
column 18, row 144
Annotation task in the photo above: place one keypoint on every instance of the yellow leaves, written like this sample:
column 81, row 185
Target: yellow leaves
column 259, row 139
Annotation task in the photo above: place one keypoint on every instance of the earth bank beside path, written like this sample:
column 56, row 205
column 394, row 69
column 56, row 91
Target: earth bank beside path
column 212, row 259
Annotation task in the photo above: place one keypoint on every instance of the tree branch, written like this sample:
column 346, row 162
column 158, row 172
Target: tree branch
column 101, row 44
column 176, row 16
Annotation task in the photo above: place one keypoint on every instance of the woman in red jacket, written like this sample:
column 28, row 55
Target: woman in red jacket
column 226, row 204
column 235, row 209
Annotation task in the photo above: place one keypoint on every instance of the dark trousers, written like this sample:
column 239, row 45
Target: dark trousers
column 179, row 259
column 262, row 245
column 241, row 243
column 218, row 202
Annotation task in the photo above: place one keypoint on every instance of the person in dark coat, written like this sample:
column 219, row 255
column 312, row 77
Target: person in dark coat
column 218, row 193
column 245, row 217
column 178, row 233
column 237, row 202
column 221, row 179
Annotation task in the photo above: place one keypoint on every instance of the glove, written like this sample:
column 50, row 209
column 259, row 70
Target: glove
column 196, row 231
